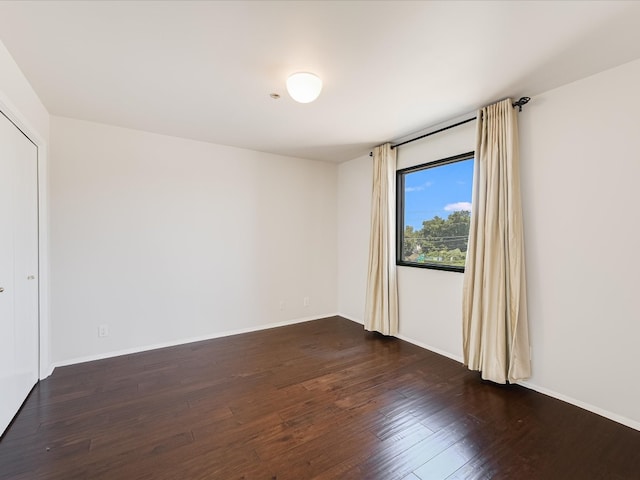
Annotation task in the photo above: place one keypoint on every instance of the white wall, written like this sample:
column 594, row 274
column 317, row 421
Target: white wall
column 167, row 240
column 354, row 217
column 20, row 103
column 580, row 152
column 580, row 166
column 430, row 300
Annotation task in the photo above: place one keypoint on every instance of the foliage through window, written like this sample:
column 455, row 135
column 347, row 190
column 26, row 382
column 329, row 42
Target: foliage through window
column 434, row 212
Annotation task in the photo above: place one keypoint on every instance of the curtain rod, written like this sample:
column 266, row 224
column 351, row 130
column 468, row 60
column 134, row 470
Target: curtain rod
column 522, row 101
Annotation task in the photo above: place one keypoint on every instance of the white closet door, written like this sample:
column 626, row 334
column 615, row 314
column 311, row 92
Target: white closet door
column 18, row 269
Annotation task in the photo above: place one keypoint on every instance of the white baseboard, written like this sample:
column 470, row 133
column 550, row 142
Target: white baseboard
column 430, row 348
column 350, row 318
column 532, row 386
column 585, row 406
column 48, row 371
column 410, row 340
column 173, row 343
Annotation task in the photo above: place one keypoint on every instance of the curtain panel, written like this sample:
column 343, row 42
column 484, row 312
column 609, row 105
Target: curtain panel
column 495, row 324
column 381, row 307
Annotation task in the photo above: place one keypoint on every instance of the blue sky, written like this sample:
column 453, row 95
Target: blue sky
column 437, row 191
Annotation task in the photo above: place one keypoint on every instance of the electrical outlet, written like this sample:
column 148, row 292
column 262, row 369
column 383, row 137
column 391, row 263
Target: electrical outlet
column 103, row 330
column 306, row 301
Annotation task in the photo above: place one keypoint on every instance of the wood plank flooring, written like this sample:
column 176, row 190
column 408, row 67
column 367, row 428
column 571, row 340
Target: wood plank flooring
column 316, row 400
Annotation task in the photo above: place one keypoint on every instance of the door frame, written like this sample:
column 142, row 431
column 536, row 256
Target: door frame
column 45, row 367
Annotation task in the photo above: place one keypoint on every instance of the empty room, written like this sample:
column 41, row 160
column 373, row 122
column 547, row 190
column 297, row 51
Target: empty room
column 292, row 240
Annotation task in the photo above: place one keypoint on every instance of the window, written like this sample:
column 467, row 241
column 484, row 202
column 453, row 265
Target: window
column 434, row 211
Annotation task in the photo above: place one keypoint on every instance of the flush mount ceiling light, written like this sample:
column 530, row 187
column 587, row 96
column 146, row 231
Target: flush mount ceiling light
column 304, row 87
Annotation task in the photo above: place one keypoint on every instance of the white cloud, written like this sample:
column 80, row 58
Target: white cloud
column 458, row 206
column 419, row 188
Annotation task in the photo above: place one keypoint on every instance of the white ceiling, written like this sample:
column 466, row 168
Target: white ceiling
column 204, row 70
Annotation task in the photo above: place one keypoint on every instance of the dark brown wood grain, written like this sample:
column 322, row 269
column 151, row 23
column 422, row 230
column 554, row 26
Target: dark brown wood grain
column 316, row 400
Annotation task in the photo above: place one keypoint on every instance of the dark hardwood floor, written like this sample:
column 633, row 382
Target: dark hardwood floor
column 317, row 400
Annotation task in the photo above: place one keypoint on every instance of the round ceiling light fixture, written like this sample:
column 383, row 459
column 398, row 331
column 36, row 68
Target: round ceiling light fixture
column 304, row 87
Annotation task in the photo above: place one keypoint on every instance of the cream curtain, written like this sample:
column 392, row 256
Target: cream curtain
column 381, row 308
column 495, row 328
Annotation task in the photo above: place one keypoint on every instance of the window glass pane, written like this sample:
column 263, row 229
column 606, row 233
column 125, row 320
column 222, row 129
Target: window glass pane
column 434, row 213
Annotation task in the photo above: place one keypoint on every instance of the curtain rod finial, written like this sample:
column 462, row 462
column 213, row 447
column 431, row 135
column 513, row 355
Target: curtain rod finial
column 521, row 102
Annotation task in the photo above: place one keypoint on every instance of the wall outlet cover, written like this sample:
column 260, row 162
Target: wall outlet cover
column 103, row 330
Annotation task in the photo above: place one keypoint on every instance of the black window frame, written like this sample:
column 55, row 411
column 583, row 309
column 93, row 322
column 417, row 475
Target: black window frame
column 400, row 194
